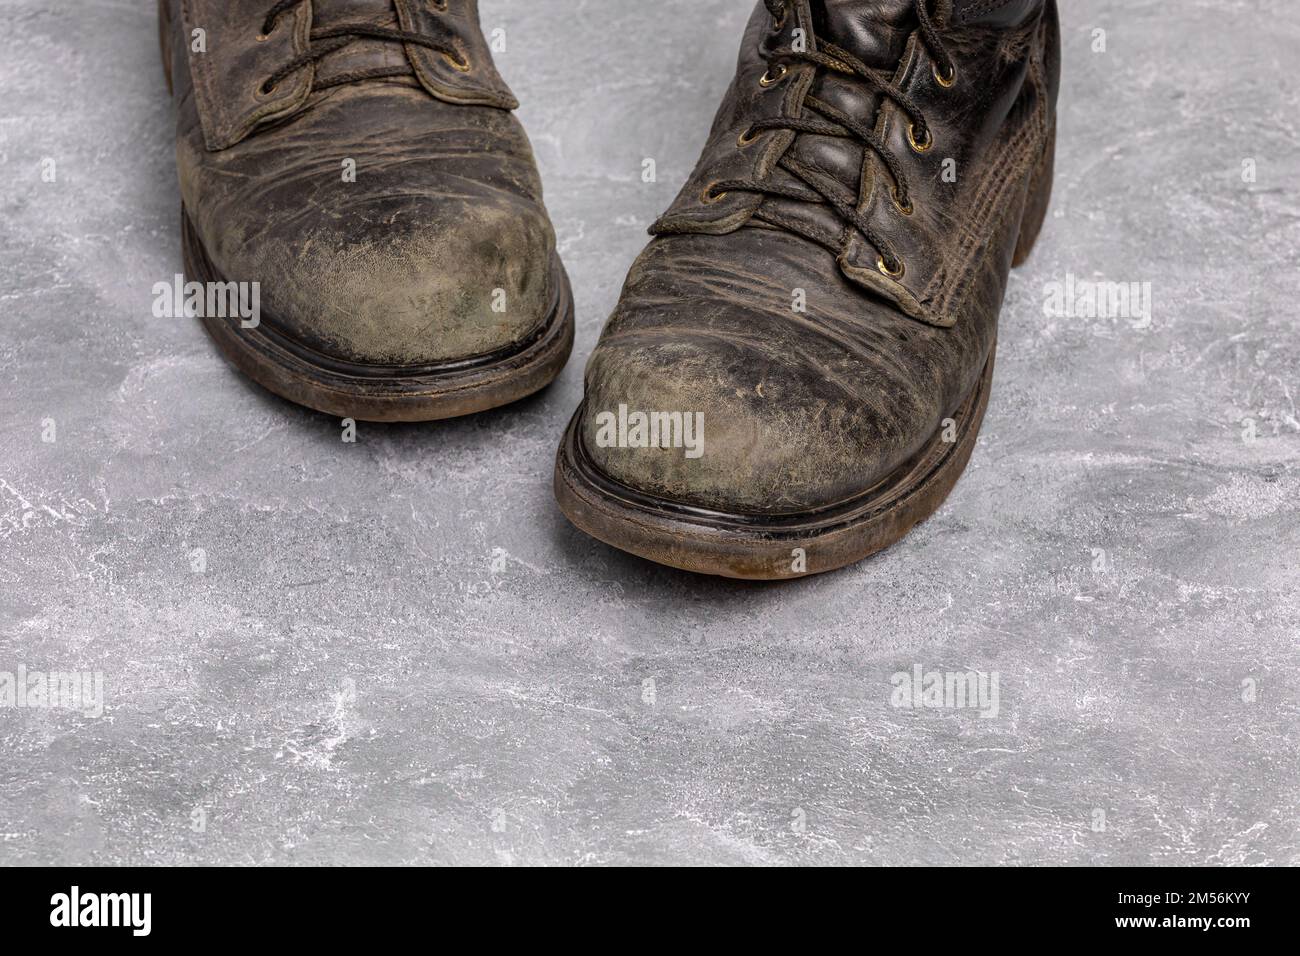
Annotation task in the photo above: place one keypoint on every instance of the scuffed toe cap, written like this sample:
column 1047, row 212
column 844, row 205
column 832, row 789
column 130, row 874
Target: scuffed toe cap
column 755, row 441
column 438, row 282
column 801, row 410
column 437, row 247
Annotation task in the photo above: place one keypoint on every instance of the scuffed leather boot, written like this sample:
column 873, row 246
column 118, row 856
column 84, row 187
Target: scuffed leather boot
column 359, row 160
column 800, row 361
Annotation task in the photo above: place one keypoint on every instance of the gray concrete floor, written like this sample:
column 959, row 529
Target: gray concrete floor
column 400, row 652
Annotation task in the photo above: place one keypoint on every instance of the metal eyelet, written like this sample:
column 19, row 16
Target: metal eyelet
column 778, row 23
column 770, row 79
column 883, row 266
column 906, row 208
column 459, row 63
column 709, row 197
column 922, row 147
column 747, row 138
column 948, row 81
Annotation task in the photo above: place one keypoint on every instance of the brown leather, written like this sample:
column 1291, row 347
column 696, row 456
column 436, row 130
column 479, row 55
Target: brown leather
column 804, row 410
column 401, row 268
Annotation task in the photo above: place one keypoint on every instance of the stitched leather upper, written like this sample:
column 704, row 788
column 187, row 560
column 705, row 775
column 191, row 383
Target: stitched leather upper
column 806, row 409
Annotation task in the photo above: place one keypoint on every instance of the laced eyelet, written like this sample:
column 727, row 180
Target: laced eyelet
column 906, row 208
column 459, row 62
column 709, row 197
column 747, row 138
column 945, row 80
column 883, row 266
column 923, row 146
column 770, row 79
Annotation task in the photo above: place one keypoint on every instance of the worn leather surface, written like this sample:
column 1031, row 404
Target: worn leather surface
column 401, row 267
column 804, row 410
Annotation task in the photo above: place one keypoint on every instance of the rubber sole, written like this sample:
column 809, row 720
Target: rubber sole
column 779, row 548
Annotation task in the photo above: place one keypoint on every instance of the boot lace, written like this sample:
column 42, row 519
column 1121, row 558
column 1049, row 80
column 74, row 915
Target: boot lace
column 818, row 187
column 329, row 40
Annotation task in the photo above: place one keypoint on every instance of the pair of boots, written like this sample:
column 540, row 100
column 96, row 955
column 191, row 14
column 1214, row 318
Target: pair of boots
column 800, row 361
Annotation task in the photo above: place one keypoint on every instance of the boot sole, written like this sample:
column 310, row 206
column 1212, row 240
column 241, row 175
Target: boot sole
column 389, row 394
column 778, row 548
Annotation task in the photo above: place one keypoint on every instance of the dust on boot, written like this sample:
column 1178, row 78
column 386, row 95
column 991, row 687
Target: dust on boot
column 359, row 164
column 820, row 304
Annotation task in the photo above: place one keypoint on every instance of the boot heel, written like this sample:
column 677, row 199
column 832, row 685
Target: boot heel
column 165, row 42
column 1040, row 197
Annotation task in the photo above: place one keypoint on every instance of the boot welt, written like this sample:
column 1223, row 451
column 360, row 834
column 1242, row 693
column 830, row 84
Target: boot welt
column 389, row 394
column 760, row 547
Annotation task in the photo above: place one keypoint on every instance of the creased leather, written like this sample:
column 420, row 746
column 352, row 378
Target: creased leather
column 800, row 410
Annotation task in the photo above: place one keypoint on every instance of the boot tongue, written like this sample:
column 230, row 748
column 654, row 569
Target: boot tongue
column 875, row 31
column 360, row 55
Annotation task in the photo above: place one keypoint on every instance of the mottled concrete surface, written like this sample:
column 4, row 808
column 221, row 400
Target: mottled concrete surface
column 400, row 652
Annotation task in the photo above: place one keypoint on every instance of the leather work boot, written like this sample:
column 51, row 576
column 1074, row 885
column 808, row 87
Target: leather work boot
column 359, row 161
column 799, row 364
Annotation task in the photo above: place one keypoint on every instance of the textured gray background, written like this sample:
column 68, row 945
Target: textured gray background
column 401, row 652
